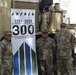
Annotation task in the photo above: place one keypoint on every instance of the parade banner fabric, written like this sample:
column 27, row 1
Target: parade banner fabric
column 23, row 41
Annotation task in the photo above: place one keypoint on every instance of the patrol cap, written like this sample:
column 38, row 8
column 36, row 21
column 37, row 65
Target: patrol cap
column 63, row 24
column 7, row 32
column 44, row 30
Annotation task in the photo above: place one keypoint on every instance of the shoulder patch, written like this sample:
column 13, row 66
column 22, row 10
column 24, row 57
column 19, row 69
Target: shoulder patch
column 2, row 45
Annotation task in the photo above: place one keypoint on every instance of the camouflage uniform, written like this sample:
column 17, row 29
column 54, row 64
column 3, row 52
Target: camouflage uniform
column 6, row 59
column 45, row 56
column 65, row 44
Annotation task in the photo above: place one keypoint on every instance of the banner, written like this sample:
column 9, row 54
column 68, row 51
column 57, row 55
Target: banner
column 23, row 41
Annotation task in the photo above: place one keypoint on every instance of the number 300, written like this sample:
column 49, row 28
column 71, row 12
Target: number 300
column 23, row 29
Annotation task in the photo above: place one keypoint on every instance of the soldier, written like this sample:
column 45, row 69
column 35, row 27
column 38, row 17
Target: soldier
column 45, row 47
column 6, row 56
column 65, row 43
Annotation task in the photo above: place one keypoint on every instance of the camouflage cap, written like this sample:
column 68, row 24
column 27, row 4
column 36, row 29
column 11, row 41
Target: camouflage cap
column 7, row 32
column 44, row 30
column 63, row 24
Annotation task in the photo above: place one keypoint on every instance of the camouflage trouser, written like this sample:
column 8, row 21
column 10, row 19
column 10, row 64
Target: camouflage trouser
column 68, row 64
column 7, row 71
column 45, row 68
column 0, row 69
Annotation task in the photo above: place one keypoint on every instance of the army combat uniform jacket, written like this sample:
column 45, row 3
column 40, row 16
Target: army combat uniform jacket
column 64, row 43
column 6, row 58
column 45, row 49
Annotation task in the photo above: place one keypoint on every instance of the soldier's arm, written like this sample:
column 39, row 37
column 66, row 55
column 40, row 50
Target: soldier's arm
column 1, row 49
column 37, row 51
column 36, row 46
column 55, row 38
column 55, row 49
column 53, row 45
column 55, row 42
column 73, row 40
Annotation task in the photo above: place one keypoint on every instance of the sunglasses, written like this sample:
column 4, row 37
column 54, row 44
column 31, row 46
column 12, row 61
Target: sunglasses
column 62, row 26
column 44, row 32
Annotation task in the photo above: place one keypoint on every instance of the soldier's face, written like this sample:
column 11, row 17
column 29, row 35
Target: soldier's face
column 45, row 35
column 63, row 28
column 7, row 37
